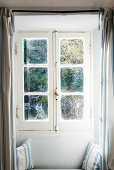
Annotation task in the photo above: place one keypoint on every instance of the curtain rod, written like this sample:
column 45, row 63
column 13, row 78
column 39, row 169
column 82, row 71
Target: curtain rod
column 59, row 12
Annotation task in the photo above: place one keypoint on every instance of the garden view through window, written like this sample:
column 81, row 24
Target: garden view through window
column 36, row 78
column 71, row 78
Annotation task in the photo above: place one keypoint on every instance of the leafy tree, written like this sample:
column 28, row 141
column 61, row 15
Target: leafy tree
column 35, row 51
column 72, row 79
column 35, row 79
column 72, row 107
column 72, row 51
column 25, row 51
column 36, row 107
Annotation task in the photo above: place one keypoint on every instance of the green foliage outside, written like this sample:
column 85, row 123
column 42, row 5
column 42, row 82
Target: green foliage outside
column 72, row 107
column 72, row 79
column 35, row 51
column 35, row 79
column 72, row 51
column 36, row 107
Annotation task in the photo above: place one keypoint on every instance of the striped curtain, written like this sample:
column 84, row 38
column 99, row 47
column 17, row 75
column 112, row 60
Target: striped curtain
column 7, row 118
column 108, row 89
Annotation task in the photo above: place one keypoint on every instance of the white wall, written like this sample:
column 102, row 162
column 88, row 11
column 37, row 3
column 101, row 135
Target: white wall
column 62, row 149
column 97, row 84
column 56, row 22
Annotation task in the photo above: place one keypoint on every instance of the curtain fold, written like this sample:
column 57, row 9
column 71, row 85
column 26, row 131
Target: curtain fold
column 7, row 118
column 108, row 89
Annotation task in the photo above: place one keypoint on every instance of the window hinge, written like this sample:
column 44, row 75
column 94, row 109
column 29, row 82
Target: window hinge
column 17, row 111
column 16, row 47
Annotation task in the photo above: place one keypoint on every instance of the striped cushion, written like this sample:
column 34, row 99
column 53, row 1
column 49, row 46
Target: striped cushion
column 23, row 156
column 93, row 159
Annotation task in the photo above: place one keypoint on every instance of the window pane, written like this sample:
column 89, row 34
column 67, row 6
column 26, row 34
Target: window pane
column 72, row 107
column 35, row 51
column 36, row 107
column 72, row 79
column 71, row 51
column 35, row 79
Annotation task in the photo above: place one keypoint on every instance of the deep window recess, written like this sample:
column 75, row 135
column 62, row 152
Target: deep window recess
column 53, row 80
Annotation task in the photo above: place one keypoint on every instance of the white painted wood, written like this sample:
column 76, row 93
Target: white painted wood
column 33, row 124
column 54, row 105
column 84, row 123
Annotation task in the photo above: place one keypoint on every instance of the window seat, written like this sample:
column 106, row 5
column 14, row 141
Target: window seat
column 53, row 151
column 57, row 169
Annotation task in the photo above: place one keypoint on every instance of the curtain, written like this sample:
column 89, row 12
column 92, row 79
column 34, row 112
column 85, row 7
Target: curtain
column 108, row 89
column 7, row 118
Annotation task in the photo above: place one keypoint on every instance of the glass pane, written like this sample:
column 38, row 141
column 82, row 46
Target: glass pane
column 71, row 51
column 35, row 51
column 35, row 79
column 72, row 107
column 72, row 79
column 36, row 107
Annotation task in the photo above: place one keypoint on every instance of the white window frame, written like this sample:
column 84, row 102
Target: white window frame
column 54, row 122
column 85, row 123
column 39, row 124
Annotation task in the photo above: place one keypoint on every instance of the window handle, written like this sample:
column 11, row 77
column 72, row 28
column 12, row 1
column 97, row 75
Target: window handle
column 56, row 93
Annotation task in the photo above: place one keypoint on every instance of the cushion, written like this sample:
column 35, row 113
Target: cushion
column 93, row 158
column 23, row 156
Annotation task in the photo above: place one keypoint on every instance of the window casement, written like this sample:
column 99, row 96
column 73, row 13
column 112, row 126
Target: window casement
column 52, row 73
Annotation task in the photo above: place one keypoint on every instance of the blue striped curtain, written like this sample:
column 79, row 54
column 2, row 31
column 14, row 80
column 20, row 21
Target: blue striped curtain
column 108, row 89
column 7, row 118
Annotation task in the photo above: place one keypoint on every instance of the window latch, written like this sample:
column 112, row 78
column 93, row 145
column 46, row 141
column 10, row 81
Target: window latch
column 56, row 94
